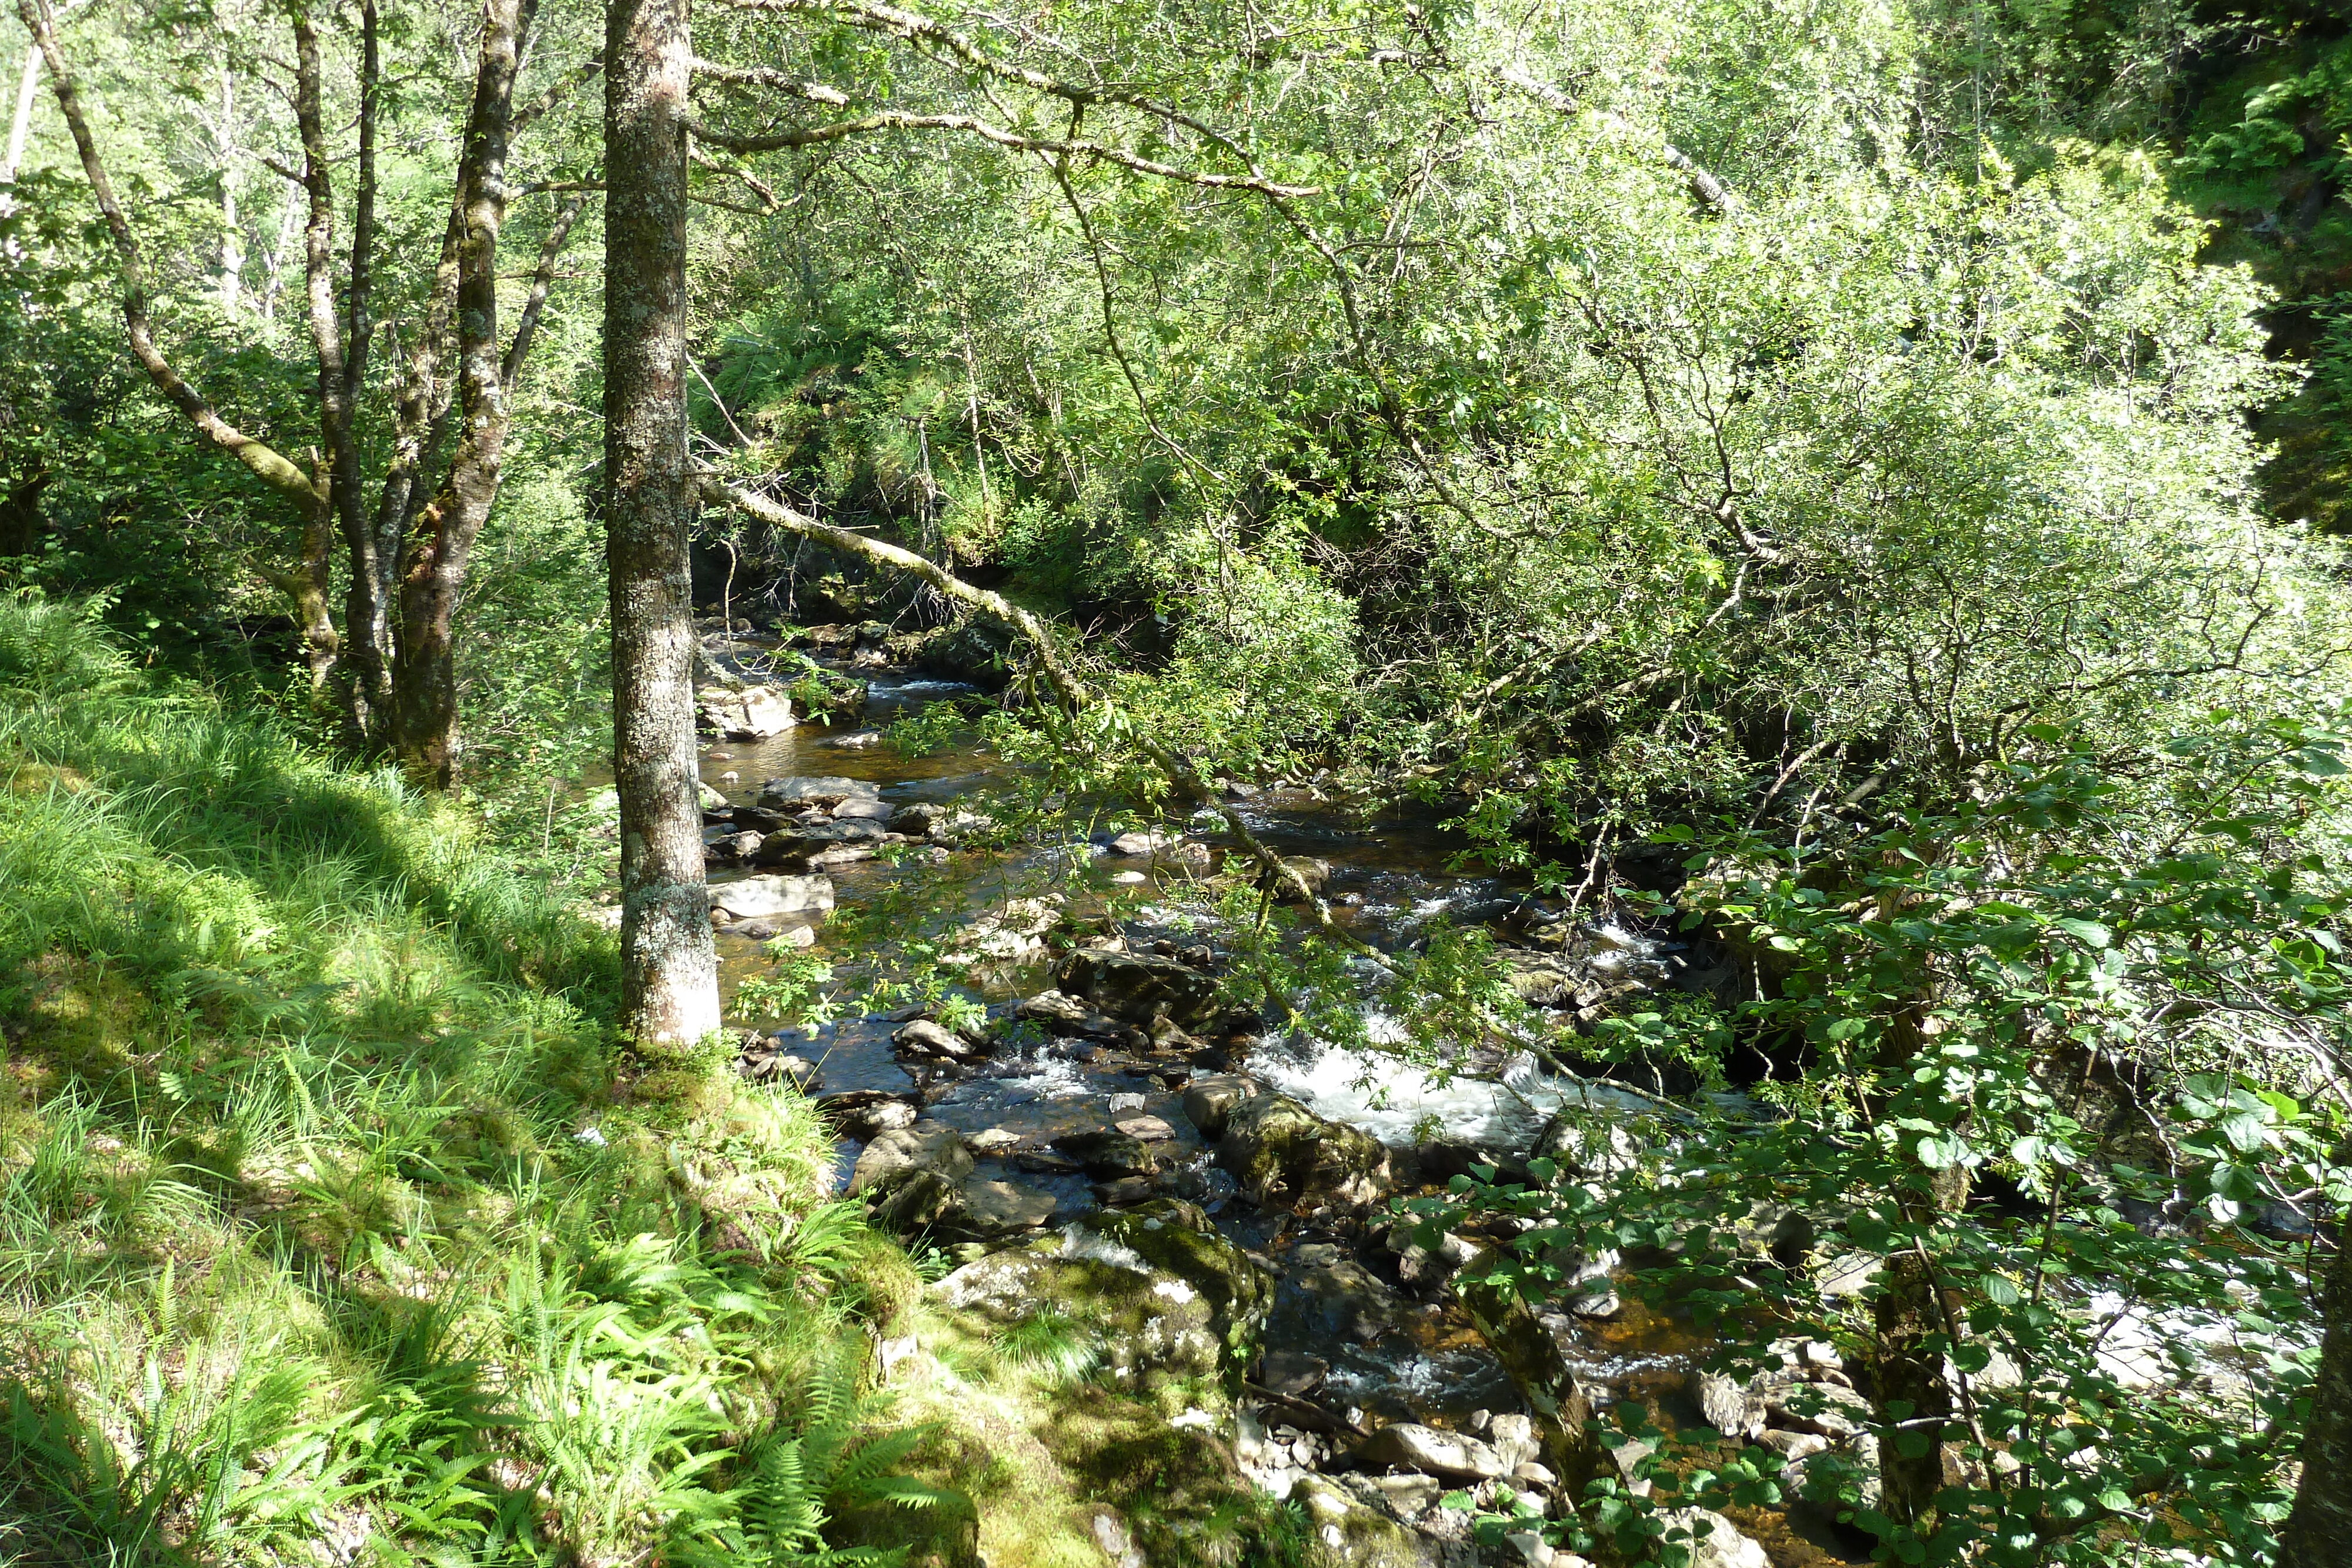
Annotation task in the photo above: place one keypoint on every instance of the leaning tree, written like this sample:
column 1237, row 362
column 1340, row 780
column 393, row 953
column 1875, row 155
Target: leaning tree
column 436, row 422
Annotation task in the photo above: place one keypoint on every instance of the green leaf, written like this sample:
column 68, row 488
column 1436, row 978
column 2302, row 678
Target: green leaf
column 2090, row 933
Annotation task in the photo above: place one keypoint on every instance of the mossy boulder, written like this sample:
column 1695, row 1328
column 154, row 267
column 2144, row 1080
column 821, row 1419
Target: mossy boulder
column 1282, row 1153
column 1350, row 1533
column 1176, row 1309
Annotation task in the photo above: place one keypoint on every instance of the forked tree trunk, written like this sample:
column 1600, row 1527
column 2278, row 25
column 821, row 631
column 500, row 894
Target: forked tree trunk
column 2318, row 1533
column 425, row 677
column 669, row 974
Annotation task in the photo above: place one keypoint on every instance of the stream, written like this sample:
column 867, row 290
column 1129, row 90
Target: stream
column 1375, row 1349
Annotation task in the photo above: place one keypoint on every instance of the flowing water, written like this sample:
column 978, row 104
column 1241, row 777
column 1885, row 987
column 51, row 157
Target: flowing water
column 1395, row 877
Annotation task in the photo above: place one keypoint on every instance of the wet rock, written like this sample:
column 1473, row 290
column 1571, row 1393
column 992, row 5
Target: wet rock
column 943, row 824
column 923, row 1038
column 858, row 741
column 1410, row 1446
column 1540, row 979
column 1427, row 1266
column 1125, row 1192
column 1108, row 1154
column 1280, row 1151
column 1209, row 1102
column 994, row 1141
column 1138, row 989
column 758, row 819
column 974, row 652
column 1146, row 1129
column 796, row 844
column 1143, row 843
column 925, row 1201
column 827, row 790
column 995, row 1208
column 1292, row 1373
column 916, row 820
column 755, row 897
column 753, row 712
column 867, row 1113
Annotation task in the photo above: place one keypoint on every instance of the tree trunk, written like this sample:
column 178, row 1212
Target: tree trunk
column 2318, row 1533
column 669, row 994
column 425, row 673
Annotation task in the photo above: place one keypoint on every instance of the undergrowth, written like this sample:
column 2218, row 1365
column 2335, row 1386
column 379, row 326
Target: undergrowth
column 330, row 1229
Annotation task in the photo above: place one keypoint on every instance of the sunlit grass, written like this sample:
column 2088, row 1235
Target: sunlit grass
column 304, row 1256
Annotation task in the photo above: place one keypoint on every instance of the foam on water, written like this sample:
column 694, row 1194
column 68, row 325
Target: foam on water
column 1394, row 1100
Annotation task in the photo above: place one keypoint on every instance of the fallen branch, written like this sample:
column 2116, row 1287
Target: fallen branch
column 1076, row 695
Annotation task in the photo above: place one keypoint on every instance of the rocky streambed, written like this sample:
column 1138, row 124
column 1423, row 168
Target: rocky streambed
column 1091, row 1135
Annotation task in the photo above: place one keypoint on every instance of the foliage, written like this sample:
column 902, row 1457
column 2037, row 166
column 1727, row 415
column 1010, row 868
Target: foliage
column 1984, row 1002
column 321, row 1221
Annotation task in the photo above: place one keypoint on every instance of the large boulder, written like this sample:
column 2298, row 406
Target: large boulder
column 1328, row 1296
column 994, row 1208
column 1140, row 989
column 975, row 651
column 750, row 712
column 1057, row 1012
column 1455, row 1456
column 1175, row 1305
column 1108, row 1154
column 826, row 791
column 759, row 897
column 1208, row 1100
column 896, row 1157
column 1280, row 1151
column 1305, row 871
column 1716, row 1541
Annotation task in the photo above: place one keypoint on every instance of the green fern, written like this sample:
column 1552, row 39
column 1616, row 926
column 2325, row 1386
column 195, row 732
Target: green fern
column 798, row 1483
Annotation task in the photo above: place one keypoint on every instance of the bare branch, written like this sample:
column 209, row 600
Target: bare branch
column 894, row 120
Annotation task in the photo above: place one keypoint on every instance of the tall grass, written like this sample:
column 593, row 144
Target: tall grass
column 328, row 1228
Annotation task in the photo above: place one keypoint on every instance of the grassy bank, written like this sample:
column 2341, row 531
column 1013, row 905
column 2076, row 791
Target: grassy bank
column 334, row 1227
